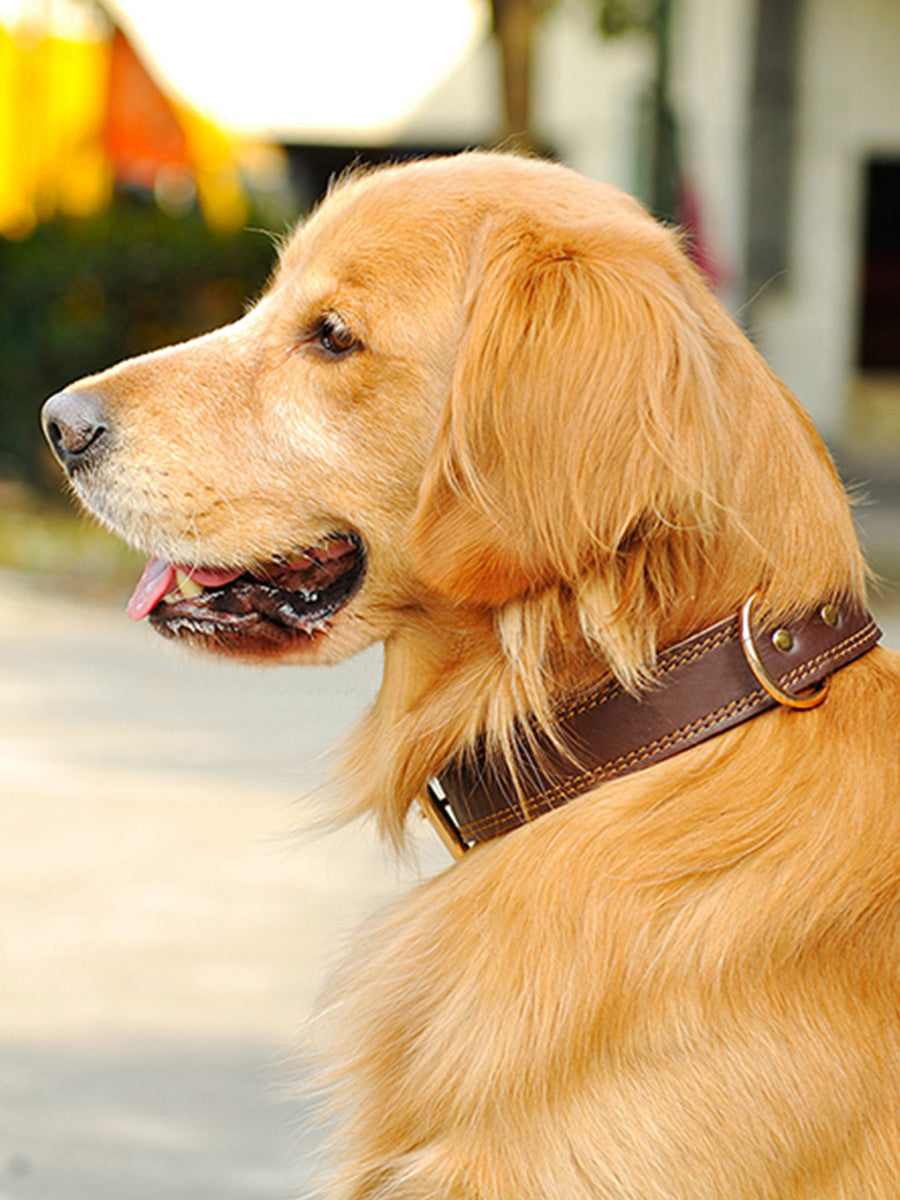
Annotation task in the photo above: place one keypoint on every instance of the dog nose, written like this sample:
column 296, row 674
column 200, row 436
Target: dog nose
column 76, row 426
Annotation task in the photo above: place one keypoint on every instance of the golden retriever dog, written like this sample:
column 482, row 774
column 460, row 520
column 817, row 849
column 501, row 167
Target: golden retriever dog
column 488, row 413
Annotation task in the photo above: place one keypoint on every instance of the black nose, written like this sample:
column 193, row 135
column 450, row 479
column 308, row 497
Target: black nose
column 76, row 426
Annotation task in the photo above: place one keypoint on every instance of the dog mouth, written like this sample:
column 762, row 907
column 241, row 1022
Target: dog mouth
column 257, row 608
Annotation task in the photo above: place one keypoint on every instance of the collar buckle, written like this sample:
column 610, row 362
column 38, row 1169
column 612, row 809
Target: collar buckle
column 434, row 805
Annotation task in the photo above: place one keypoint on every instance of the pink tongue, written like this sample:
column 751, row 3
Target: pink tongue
column 158, row 579
column 210, row 577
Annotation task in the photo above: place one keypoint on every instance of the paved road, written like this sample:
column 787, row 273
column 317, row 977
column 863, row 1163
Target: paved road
column 164, row 928
column 164, row 922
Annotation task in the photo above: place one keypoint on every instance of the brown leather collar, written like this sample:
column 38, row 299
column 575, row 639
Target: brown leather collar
column 716, row 679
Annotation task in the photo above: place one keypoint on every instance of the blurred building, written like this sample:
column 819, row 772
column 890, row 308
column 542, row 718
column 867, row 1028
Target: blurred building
column 791, row 117
column 787, row 116
column 785, row 123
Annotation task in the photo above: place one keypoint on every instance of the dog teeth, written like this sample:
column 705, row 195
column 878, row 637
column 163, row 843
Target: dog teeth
column 187, row 586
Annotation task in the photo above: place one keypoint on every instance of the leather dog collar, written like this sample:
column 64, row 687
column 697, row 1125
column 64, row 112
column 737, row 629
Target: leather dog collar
column 702, row 686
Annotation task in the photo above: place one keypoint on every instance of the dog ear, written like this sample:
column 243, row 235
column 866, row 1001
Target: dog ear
column 582, row 414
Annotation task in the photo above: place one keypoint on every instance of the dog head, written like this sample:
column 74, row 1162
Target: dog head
column 482, row 385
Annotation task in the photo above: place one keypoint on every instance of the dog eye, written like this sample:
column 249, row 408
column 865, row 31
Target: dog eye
column 335, row 336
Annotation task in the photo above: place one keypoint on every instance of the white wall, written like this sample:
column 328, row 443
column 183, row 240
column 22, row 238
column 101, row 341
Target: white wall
column 587, row 90
column 849, row 109
column 585, row 96
column 710, row 85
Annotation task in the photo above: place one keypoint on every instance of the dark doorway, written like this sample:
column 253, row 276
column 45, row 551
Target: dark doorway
column 313, row 166
column 879, row 341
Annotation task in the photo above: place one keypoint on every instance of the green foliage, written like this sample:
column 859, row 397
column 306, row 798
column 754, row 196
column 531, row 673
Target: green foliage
column 615, row 17
column 76, row 297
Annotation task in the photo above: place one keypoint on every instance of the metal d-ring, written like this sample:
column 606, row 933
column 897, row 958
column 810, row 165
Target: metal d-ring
column 806, row 699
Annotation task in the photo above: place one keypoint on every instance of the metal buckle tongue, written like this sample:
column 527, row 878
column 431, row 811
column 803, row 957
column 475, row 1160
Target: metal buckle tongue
column 435, row 807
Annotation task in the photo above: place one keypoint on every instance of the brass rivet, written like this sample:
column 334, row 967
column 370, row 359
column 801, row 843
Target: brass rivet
column 782, row 640
column 830, row 615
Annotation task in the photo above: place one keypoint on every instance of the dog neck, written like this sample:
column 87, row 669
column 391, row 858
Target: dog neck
column 702, row 686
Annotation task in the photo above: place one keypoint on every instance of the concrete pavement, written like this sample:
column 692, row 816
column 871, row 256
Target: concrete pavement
column 164, row 921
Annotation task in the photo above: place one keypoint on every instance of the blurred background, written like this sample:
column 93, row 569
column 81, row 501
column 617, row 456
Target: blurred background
column 164, row 925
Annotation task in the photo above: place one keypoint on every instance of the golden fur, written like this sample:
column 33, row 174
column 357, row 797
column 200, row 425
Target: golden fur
column 562, row 456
